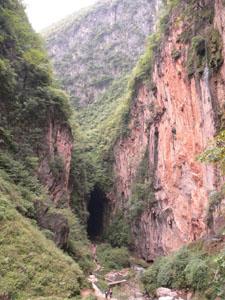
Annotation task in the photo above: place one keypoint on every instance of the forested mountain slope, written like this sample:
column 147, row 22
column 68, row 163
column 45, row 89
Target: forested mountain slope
column 35, row 156
column 93, row 53
column 93, row 48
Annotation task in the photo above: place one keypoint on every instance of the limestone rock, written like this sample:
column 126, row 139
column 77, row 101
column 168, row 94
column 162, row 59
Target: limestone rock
column 57, row 152
column 173, row 124
column 166, row 298
column 163, row 292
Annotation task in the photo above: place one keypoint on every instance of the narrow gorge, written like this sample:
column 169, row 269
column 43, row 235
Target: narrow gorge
column 112, row 159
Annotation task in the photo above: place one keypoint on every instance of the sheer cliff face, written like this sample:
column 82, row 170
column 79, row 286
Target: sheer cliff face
column 91, row 49
column 55, row 161
column 174, row 122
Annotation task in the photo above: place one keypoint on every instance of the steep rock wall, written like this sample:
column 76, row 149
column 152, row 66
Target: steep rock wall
column 34, row 112
column 174, row 122
column 92, row 52
column 54, row 169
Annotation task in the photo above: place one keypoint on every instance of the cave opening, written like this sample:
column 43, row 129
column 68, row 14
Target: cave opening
column 97, row 212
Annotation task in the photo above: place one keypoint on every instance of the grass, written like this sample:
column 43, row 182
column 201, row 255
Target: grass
column 30, row 264
column 78, row 243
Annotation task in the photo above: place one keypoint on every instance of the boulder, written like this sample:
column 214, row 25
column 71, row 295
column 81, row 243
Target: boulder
column 164, row 292
column 54, row 222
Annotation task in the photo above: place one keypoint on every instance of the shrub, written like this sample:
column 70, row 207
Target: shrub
column 166, row 273
column 57, row 166
column 197, row 56
column 7, row 77
column 113, row 258
column 102, row 285
column 78, row 244
column 171, row 269
column 176, row 54
column 180, row 261
column 187, row 268
column 215, row 200
column 118, row 233
column 37, row 67
column 61, row 100
column 142, row 196
column 18, row 173
column 149, row 279
column 205, row 51
column 197, row 274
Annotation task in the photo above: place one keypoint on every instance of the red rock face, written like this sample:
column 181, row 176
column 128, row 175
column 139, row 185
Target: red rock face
column 176, row 131
column 58, row 146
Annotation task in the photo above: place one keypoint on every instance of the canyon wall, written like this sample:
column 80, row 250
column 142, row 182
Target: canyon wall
column 93, row 52
column 173, row 122
column 159, row 183
column 55, row 157
column 34, row 119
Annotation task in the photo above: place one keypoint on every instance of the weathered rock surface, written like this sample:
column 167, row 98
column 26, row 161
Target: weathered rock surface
column 55, row 157
column 54, row 222
column 175, row 132
column 163, row 292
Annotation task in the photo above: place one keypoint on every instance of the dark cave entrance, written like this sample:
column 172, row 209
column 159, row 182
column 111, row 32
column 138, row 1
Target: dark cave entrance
column 97, row 210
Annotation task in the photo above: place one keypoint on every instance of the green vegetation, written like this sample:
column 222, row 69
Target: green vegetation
column 78, row 244
column 197, row 60
column 28, row 93
column 215, row 154
column 99, row 124
column 176, row 54
column 142, row 197
column 192, row 268
column 104, row 108
column 196, row 19
column 104, row 121
column 205, row 45
column 205, row 51
column 31, row 265
column 143, row 70
column 215, row 201
column 118, row 233
column 91, row 297
column 106, row 53
column 56, row 166
column 113, row 258
column 102, row 285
